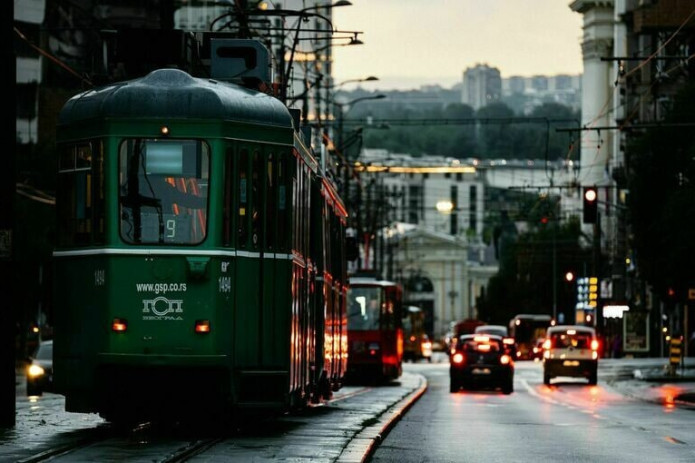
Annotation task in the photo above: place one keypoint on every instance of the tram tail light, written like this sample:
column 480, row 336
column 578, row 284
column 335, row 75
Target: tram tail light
column 119, row 325
column 202, row 326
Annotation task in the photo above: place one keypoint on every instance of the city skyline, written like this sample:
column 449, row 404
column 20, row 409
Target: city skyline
column 399, row 45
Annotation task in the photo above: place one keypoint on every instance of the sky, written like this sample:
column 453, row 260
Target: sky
column 410, row 43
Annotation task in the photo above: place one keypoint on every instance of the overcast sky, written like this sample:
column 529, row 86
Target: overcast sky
column 409, row 43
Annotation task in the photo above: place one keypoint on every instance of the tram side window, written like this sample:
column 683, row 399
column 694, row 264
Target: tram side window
column 243, row 206
column 270, row 193
column 80, row 194
column 228, row 204
column 256, row 199
column 163, row 191
column 281, row 219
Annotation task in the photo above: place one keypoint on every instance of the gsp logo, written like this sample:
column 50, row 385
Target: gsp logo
column 161, row 306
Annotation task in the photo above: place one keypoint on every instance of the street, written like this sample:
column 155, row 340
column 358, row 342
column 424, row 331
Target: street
column 567, row 421
column 620, row 419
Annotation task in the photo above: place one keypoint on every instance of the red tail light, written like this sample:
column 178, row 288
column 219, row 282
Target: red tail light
column 505, row 359
column 547, row 344
column 202, row 326
column 119, row 325
column 594, row 344
column 457, row 358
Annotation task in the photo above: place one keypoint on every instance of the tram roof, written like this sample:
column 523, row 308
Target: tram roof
column 174, row 93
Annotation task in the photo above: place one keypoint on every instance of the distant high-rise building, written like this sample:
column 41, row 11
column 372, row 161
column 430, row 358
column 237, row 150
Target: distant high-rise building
column 482, row 85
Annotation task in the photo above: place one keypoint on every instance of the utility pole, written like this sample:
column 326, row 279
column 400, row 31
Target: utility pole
column 8, row 180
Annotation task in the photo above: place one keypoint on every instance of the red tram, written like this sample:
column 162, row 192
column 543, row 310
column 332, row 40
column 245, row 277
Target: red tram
column 375, row 329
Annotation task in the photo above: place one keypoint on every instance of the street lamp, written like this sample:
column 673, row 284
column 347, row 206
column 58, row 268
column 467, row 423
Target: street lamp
column 341, row 118
column 303, row 15
column 344, row 160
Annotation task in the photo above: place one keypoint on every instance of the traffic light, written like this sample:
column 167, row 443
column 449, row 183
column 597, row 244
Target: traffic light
column 590, row 198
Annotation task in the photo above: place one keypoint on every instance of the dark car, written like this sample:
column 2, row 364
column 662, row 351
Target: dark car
column 40, row 370
column 500, row 330
column 481, row 361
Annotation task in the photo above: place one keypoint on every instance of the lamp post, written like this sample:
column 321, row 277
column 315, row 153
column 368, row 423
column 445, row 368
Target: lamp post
column 344, row 159
column 341, row 120
column 303, row 14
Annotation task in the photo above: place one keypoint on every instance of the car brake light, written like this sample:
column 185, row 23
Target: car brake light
column 594, row 344
column 481, row 339
column 505, row 359
column 508, row 341
column 547, row 344
column 457, row 358
column 119, row 325
column 202, row 326
column 594, row 355
column 426, row 345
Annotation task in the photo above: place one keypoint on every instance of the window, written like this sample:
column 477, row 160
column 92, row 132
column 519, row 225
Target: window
column 364, row 308
column 80, row 194
column 163, row 191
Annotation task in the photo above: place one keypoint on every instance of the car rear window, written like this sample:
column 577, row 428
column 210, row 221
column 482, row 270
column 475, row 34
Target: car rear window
column 565, row 340
column 471, row 345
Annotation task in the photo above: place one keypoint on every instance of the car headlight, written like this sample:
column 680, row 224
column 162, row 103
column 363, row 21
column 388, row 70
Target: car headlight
column 35, row 370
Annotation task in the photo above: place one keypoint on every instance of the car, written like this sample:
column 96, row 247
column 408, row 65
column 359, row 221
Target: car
column 40, row 370
column 481, row 361
column 570, row 350
column 537, row 351
column 500, row 330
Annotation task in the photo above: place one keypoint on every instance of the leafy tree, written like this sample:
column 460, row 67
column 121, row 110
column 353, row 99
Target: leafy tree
column 525, row 276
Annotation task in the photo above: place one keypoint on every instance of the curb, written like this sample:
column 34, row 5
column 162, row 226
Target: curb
column 363, row 445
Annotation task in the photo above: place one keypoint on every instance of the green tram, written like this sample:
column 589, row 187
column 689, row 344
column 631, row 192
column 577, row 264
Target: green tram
column 200, row 253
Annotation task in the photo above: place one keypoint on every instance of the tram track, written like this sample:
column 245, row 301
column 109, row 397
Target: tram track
column 176, row 442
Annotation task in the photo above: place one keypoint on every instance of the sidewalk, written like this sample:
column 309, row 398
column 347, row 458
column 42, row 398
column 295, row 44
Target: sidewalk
column 657, row 384
column 364, row 420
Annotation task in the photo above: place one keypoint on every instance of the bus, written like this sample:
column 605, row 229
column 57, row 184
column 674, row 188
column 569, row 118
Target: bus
column 375, row 329
column 526, row 329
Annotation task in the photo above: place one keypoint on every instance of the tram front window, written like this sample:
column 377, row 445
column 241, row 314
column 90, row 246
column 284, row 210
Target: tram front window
column 163, row 191
column 364, row 308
